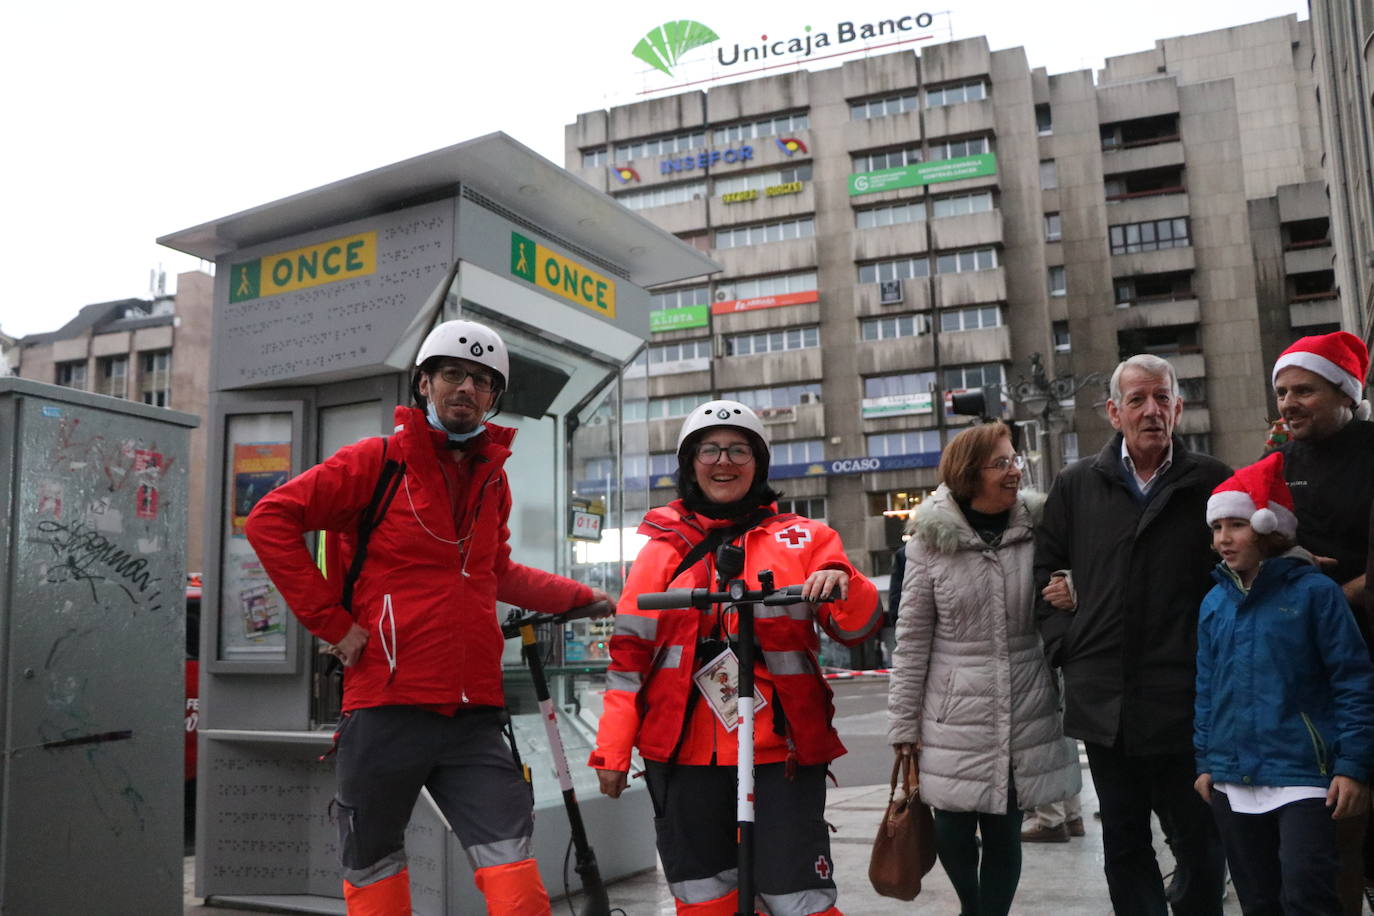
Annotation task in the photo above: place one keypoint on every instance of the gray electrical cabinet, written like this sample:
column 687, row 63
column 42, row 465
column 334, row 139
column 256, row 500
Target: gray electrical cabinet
column 92, row 652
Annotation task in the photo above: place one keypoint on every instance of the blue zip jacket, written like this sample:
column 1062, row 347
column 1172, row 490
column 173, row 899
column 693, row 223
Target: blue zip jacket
column 1285, row 688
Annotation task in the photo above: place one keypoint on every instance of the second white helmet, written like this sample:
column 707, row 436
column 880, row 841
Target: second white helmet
column 467, row 340
column 722, row 413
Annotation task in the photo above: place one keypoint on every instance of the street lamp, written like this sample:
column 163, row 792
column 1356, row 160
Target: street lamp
column 1041, row 396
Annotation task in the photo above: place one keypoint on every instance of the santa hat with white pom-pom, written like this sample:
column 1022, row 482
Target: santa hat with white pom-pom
column 1339, row 357
column 1257, row 494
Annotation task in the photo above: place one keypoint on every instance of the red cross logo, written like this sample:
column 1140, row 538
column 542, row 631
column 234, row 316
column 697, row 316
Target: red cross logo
column 822, row 867
column 793, row 538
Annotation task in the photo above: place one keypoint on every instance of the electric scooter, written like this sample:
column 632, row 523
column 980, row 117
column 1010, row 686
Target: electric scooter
column 522, row 623
column 729, row 565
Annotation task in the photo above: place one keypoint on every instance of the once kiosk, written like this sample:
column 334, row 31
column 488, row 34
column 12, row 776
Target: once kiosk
column 321, row 300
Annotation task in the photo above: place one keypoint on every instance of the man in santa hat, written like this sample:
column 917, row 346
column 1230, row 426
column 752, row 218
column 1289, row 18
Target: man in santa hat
column 1329, row 465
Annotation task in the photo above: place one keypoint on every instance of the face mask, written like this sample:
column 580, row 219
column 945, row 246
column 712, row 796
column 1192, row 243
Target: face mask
column 433, row 416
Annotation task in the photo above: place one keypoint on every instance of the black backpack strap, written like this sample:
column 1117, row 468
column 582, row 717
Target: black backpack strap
column 716, row 537
column 388, row 482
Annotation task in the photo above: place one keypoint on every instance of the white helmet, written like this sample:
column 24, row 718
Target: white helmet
column 722, row 413
column 467, row 340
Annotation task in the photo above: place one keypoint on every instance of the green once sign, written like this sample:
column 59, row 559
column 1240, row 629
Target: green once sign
column 688, row 316
column 922, row 173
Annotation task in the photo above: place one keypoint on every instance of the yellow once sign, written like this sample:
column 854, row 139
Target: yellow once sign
column 327, row 262
column 561, row 276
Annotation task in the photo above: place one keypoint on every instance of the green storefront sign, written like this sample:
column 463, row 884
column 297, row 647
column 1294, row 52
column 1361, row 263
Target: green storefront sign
column 922, row 173
column 688, row 316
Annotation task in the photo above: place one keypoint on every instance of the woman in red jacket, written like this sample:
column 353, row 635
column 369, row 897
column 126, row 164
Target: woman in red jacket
column 685, row 735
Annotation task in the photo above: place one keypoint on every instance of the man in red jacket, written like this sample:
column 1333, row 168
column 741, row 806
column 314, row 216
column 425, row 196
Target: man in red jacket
column 423, row 698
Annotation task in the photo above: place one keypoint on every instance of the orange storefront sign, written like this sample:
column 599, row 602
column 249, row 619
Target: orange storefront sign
column 764, row 302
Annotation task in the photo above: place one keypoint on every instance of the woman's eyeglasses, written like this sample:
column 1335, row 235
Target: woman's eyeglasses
column 1005, row 464
column 709, row 453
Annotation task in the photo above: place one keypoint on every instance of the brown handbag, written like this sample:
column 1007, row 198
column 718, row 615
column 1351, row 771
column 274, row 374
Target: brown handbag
column 904, row 850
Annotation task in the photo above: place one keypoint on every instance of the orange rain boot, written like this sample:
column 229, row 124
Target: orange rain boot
column 387, row 897
column 513, row 890
column 721, row 906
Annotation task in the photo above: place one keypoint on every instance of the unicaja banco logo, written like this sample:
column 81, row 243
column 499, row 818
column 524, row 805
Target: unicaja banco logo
column 662, row 47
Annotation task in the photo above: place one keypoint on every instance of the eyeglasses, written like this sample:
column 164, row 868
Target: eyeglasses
column 1005, row 464
column 457, row 375
column 739, row 453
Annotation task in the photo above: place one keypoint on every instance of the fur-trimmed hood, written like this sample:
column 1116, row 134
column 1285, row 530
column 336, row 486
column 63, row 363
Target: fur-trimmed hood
column 941, row 526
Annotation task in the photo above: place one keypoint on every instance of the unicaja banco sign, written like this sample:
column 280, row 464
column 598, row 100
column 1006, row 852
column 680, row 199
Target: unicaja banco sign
column 662, row 47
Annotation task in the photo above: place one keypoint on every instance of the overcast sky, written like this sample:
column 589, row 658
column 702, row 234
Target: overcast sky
column 126, row 121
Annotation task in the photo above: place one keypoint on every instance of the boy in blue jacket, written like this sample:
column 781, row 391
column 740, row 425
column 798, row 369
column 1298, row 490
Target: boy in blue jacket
column 1284, row 718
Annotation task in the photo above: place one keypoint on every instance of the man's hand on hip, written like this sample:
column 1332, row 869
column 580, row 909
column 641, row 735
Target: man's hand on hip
column 349, row 649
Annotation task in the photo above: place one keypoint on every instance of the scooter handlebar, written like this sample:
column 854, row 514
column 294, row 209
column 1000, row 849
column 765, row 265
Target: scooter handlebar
column 518, row 620
column 704, row 598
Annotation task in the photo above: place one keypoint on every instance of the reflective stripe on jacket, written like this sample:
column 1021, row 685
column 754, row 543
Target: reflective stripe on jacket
column 653, row 653
column 427, row 592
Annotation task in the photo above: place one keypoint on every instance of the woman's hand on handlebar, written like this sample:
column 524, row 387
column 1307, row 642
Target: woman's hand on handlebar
column 613, row 782
column 824, row 582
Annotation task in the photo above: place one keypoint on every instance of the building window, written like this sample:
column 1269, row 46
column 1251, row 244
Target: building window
column 895, row 504
column 701, row 241
column 886, row 386
column 960, row 262
column 812, row 507
column 1049, row 175
column 1060, row 331
column 779, row 285
column 896, row 269
column 970, row 319
column 966, row 377
column 891, row 159
column 1153, row 235
column 799, row 451
column 660, row 146
column 1201, row 443
column 113, row 376
column 956, row 149
column 768, row 127
column 1165, row 342
column 955, row 93
column 778, row 396
column 878, row 108
column 595, row 158
column 1144, row 183
column 802, row 228
column 757, row 181
column 961, row 204
column 156, row 380
column 678, row 298
column 72, row 374
column 1044, row 124
column 893, row 327
column 1054, row 229
column 662, row 408
column 1146, row 288
column 1058, row 281
column 664, row 196
column 911, row 442
column 890, row 214
column 1193, row 391
column 666, row 359
column 772, row 341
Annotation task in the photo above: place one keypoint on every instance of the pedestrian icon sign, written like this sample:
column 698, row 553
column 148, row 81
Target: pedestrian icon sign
column 246, row 280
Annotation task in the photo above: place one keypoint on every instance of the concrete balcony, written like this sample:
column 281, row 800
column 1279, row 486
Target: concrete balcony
column 1159, row 314
column 667, row 386
column 1194, row 419
column 1308, row 260
column 1143, row 209
column 915, row 298
column 971, row 288
column 804, row 421
column 987, row 345
column 1117, row 160
column 1316, row 311
column 1188, row 365
column 768, row 258
column 1153, row 262
column 903, row 354
column 895, row 130
column 764, row 370
column 783, row 316
column 684, row 217
column 884, row 242
column 763, row 208
column 960, row 120
column 968, row 231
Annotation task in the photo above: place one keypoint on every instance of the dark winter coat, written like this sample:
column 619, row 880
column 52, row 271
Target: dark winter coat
column 1128, row 651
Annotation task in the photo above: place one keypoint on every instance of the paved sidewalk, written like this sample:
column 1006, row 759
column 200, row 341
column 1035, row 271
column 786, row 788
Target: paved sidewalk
column 1064, row 879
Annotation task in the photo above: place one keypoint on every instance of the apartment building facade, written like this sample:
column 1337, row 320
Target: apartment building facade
column 155, row 351
column 912, row 225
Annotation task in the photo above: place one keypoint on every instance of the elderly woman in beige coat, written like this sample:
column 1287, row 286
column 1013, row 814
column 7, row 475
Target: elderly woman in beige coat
column 970, row 692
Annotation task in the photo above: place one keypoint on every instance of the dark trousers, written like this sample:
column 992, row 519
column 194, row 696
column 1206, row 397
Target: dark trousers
column 1283, row 862
column 1126, row 788
column 985, row 884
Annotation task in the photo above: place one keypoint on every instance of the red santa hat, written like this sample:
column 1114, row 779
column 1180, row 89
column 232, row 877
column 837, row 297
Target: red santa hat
column 1259, row 494
column 1339, row 357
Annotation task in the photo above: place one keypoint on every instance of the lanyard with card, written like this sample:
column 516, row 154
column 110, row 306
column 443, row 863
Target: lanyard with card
column 718, row 681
